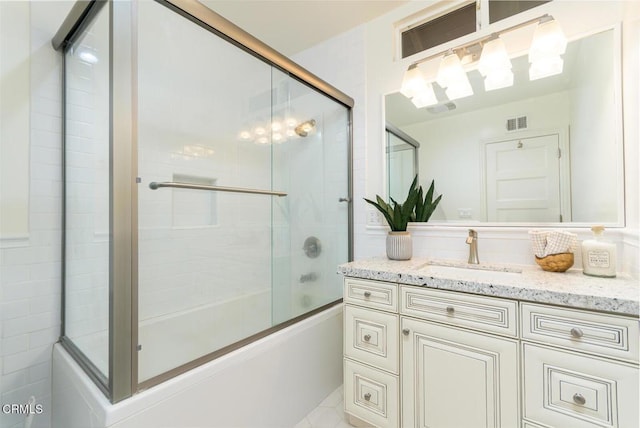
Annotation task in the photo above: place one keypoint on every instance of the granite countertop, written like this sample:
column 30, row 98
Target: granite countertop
column 523, row 282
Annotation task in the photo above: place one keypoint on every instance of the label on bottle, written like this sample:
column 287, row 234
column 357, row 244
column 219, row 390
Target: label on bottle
column 599, row 258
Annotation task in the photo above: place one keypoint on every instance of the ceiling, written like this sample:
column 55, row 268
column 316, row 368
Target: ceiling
column 291, row 26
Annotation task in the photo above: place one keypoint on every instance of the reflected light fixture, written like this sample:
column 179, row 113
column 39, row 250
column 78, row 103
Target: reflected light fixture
column 278, row 130
column 494, row 64
column 305, row 127
column 451, row 75
column 549, row 42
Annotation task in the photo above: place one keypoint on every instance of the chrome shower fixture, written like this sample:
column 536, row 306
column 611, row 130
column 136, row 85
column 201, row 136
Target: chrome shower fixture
column 305, row 127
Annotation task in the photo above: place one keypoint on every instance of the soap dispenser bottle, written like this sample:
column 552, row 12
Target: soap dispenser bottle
column 598, row 255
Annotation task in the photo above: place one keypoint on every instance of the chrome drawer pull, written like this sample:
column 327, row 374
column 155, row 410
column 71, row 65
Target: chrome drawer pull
column 367, row 396
column 406, row 331
column 579, row 399
column 367, row 294
column 367, row 337
column 576, row 332
column 450, row 310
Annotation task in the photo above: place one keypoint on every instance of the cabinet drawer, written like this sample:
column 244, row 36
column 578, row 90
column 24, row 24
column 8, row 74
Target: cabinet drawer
column 372, row 294
column 465, row 310
column 371, row 337
column 371, row 395
column 566, row 389
column 609, row 335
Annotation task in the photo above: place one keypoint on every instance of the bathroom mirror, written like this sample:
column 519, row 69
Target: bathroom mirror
column 547, row 151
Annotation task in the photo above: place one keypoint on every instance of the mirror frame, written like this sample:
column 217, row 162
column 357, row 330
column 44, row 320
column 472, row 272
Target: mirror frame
column 619, row 144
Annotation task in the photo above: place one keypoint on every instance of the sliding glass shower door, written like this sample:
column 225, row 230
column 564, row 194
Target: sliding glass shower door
column 217, row 265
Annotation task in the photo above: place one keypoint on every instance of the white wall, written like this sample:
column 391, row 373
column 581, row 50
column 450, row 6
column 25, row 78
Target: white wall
column 593, row 147
column 14, row 120
column 30, row 270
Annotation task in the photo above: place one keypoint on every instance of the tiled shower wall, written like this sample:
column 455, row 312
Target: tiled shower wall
column 30, row 268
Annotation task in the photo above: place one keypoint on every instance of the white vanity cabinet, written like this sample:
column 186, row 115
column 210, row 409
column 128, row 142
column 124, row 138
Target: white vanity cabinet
column 422, row 357
column 453, row 376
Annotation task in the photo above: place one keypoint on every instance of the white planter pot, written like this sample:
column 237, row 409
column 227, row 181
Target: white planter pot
column 399, row 246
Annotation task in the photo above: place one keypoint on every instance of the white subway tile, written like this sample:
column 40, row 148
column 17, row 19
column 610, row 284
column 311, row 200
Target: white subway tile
column 14, row 344
column 22, row 360
column 44, row 337
column 14, row 380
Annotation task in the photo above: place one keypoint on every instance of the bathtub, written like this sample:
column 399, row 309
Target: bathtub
column 273, row 382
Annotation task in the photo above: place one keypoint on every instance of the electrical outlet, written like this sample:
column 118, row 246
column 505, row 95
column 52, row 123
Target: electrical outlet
column 374, row 218
column 464, row 213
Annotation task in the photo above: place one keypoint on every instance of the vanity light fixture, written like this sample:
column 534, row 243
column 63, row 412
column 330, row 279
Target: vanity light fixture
column 416, row 87
column 549, row 43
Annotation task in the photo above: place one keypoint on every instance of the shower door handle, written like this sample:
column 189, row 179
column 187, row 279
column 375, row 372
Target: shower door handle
column 155, row 185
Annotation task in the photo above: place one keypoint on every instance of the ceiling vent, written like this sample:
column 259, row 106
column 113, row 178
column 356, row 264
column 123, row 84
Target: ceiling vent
column 517, row 123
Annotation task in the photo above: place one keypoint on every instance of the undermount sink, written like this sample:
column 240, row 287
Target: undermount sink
column 479, row 271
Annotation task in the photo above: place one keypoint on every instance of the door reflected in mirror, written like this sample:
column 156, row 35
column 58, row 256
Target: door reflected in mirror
column 542, row 151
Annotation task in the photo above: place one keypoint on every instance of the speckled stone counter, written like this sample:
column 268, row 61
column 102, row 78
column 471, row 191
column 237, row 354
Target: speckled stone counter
column 572, row 288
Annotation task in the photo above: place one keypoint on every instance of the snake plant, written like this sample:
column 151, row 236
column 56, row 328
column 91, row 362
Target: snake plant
column 425, row 206
column 415, row 208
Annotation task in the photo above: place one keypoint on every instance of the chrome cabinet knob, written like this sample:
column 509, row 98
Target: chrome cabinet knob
column 576, row 332
column 450, row 310
column 406, row 331
column 367, row 337
column 367, row 396
column 579, row 399
column 367, row 294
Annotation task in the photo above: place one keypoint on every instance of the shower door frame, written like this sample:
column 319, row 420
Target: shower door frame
column 122, row 381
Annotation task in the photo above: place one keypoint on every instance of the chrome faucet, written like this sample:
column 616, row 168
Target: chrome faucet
column 472, row 240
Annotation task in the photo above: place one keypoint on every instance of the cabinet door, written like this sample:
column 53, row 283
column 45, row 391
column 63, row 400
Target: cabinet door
column 453, row 378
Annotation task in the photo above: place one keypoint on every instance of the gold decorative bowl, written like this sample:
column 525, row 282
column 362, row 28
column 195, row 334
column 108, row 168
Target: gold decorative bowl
column 556, row 262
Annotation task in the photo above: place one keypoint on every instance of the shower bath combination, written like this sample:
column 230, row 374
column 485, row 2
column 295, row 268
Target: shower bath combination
column 168, row 223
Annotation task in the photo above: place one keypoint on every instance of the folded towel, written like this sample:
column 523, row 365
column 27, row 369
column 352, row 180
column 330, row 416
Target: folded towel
column 546, row 243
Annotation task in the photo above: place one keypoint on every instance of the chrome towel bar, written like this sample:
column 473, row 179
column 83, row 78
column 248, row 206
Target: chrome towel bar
column 155, row 185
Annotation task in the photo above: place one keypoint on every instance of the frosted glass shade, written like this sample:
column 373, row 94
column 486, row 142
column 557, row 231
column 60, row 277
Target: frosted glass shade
column 426, row 97
column 545, row 67
column 548, row 41
column 451, row 75
column 413, row 82
column 499, row 78
column 494, row 57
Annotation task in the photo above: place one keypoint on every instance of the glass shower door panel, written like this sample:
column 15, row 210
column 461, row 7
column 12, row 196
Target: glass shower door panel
column 311, row 225
column 204, row 256
column 87, row 190
column 401, row 164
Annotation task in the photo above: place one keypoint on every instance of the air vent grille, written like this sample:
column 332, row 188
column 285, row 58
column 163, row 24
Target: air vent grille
column 517, row 123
